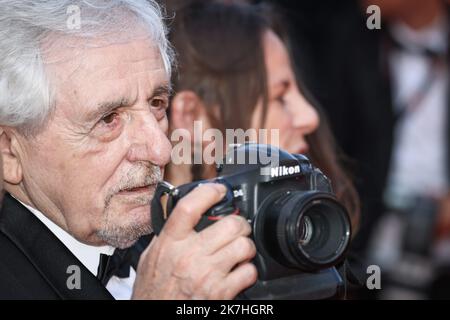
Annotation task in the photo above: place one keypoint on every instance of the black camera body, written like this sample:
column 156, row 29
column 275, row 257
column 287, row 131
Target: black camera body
column 299, row 228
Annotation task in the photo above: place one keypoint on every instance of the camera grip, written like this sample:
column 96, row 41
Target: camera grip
column 216, row 212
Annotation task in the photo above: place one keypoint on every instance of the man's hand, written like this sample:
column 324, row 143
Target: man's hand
column 184, row 264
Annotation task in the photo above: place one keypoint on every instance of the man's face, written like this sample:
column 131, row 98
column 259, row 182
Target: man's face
column 93, row 169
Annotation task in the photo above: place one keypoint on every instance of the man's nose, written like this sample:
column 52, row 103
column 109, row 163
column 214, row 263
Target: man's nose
column 149, row 141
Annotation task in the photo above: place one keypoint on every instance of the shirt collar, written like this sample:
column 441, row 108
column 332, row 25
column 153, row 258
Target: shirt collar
column 88, row 255
column 433, row 37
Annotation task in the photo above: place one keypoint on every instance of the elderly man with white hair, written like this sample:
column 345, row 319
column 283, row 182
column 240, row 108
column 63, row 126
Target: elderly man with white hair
column 84, row 88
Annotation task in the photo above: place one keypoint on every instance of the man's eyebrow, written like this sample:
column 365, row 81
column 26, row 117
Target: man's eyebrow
column 161, row 91
column 104, row 108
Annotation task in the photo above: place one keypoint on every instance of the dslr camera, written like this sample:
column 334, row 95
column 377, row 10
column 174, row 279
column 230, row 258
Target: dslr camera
column 300, row 230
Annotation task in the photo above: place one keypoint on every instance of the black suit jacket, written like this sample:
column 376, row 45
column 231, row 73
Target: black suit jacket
column 34, row 262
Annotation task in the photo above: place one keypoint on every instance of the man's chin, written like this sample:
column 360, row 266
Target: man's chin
column 141, row 215
column 129, row 208
column 125, row 226
column 123, row 237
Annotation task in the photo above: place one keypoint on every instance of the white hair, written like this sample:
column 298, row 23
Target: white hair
column 26, row 97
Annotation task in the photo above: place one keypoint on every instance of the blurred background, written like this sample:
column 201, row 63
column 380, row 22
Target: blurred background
column 384, row 89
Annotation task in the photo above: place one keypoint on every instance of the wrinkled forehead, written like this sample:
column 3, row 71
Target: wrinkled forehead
column 95, row 72
column 69, row 58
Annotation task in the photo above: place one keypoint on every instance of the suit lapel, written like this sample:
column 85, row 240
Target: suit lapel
column 49, row 256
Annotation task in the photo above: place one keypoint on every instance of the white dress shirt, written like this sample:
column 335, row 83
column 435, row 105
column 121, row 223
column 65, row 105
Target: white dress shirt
column 418, row 163
column 89, row 256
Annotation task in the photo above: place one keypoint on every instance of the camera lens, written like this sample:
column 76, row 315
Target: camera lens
column 306, row 230
column 325, row 219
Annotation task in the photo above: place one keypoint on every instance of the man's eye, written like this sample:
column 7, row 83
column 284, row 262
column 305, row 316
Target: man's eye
column 108, row 127
column 158, row 103
column 108, row 119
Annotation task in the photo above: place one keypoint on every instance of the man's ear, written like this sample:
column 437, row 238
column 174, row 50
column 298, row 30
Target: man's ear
column 186, row 108
column 12, row 168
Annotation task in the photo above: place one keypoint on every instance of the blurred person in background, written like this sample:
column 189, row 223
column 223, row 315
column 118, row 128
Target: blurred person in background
column 386, row 93
column 415, row 47
column 235, row 72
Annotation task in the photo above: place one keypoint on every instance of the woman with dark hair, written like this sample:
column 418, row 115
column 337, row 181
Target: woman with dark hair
column 234, row 72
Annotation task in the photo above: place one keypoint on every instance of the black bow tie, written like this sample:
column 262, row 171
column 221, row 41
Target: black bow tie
column 116, row 265
column 120, row 262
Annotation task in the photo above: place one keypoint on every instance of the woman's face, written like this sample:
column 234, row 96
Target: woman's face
column 287, row 108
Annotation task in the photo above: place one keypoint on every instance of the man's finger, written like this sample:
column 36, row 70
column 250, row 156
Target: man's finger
column 189, row 209
column 240, row 279
column 240, row 250
column 223, row 232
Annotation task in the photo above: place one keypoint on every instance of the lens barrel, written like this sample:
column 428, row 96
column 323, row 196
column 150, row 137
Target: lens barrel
column 305, row 230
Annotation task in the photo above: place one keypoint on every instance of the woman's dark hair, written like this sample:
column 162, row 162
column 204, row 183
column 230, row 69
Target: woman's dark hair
column 220, row 57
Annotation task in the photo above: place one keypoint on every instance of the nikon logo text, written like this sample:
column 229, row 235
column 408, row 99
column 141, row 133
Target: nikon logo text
column 284, row 171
